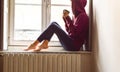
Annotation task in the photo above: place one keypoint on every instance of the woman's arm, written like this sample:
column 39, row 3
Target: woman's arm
column 67, row 20
column 81, row 26
column 68, row 23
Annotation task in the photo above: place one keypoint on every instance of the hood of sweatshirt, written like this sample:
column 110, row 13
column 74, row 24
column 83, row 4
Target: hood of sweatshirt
column 78, row 6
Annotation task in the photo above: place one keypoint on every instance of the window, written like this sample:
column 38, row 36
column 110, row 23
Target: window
column 28, row 18
column 25, row 21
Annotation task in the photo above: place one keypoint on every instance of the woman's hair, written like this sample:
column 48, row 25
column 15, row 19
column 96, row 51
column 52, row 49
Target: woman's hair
column 66, row 10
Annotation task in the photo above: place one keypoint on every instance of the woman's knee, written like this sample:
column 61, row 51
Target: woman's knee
column 55, row 24
column 52, row 26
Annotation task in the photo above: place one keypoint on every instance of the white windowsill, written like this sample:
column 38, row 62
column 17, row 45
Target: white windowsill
column 49, row 50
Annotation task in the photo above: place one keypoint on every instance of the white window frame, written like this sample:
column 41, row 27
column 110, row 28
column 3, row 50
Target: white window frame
column 46, row 6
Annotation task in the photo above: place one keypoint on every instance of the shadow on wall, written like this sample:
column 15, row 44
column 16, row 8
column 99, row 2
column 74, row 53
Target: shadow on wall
column 1, row 63
column 1, row 34
column 95, row 41
column 1, row 24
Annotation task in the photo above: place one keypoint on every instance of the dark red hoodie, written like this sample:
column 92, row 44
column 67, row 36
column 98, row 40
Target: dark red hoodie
column 78, row 27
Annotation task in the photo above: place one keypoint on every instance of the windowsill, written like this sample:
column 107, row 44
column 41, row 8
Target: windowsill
column 49, row 50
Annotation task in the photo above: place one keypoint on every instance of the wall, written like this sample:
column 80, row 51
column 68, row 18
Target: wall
column 1, row 63
column 105, row 35
column 1, row 34
column 1, row 24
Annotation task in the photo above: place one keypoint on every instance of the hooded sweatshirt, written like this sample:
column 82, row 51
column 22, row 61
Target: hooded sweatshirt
column 78, row 27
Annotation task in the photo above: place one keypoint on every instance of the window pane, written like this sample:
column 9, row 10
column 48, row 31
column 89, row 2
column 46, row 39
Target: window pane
column 57, row 16
column 63, row 2
column 29, row 1
column 27, row 22
column 87, row 7
column 59, row 6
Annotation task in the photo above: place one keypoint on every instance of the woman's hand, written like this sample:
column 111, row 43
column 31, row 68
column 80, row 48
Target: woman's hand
column 65, row 13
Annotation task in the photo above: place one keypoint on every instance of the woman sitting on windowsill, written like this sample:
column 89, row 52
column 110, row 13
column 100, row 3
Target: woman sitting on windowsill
column 77, row 29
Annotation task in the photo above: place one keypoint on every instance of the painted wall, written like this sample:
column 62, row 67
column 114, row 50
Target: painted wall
column 105, row 35
column 1, row 34
column 1, row 24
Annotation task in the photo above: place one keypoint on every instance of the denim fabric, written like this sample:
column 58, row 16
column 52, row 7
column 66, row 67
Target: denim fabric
column 64, row 39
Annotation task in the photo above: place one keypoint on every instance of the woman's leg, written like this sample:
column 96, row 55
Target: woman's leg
column 44, row 38
column 48, row 33
column 64, row 39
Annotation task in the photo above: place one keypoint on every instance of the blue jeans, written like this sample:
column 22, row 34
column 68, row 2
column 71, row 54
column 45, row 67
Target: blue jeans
column 64, row 39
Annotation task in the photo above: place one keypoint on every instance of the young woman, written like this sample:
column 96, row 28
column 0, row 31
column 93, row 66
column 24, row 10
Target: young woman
column 77, row 29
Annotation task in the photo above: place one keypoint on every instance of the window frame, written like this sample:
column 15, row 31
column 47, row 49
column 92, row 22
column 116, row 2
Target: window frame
column 46, row 10
column 11, row 23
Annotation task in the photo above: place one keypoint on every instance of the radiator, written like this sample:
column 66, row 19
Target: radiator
column 38, row 62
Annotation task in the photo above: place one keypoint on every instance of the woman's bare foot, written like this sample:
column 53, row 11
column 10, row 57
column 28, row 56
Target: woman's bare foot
column 44, row 45
column 38, row 48
column 32, row 46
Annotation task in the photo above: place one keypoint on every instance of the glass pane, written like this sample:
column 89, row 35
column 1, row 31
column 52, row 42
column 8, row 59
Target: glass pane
column 57, row 16
column 27, row 22
column 29, row 1
column 87, row 7
column 63, row 2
